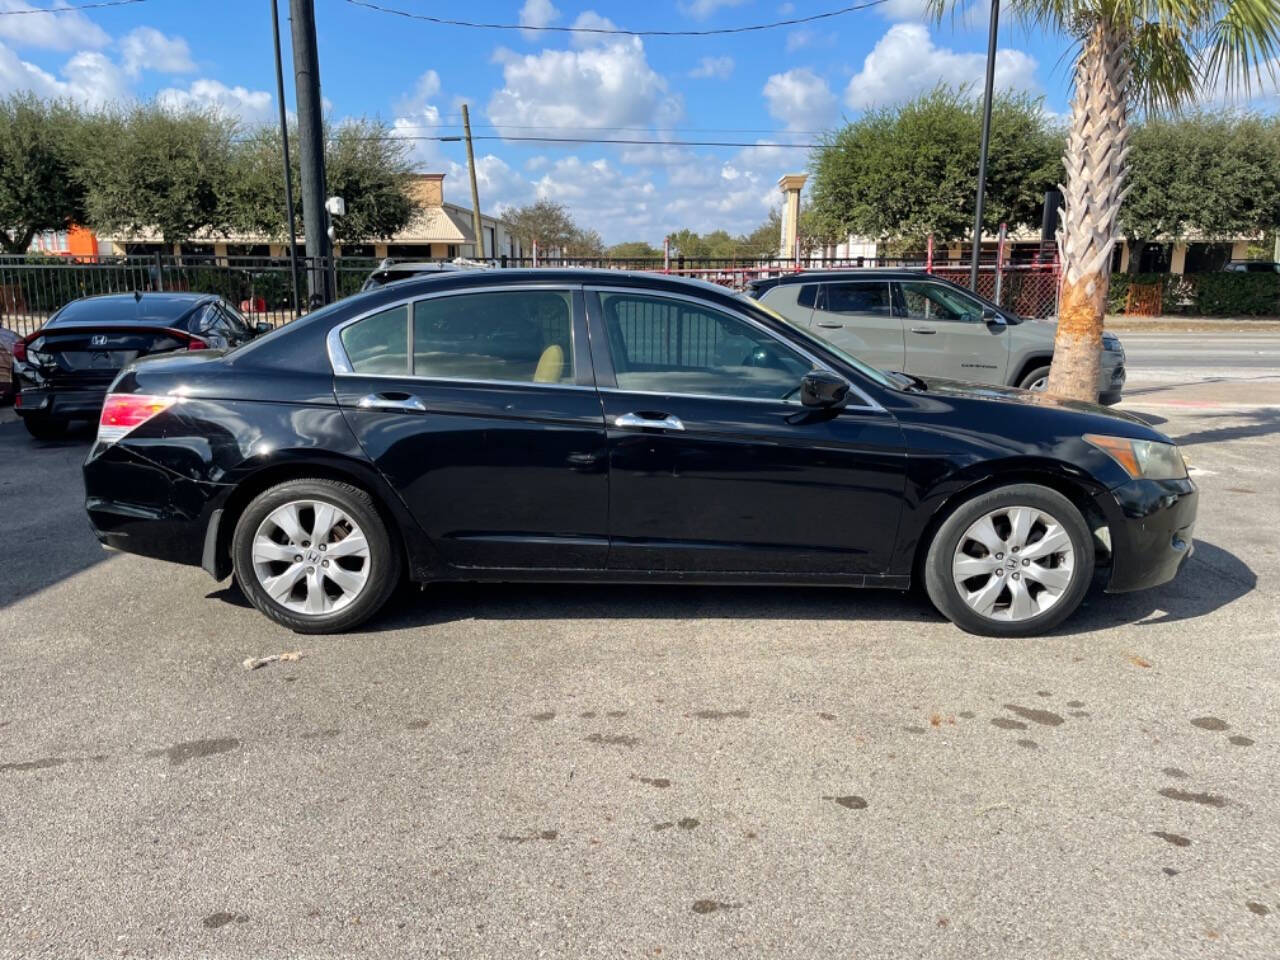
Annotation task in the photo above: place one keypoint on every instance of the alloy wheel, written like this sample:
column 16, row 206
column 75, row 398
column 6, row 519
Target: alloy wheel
column 311, row 557
column 1013, row 563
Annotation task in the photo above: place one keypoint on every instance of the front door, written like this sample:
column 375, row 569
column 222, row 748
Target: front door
column 480, row 410
column 947, row 336
column 858, row 317
column 715, row 466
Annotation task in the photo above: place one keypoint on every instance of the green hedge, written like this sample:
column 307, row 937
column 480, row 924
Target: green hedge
column 1220, row 294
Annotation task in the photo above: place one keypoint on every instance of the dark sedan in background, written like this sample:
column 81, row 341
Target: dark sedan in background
column 62, row 371
column 579, row 425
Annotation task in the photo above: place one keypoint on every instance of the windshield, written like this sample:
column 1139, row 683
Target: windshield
column 871, row 373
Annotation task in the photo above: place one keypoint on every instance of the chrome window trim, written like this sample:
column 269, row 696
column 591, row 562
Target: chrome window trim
column 341, row 364
column 867, row 404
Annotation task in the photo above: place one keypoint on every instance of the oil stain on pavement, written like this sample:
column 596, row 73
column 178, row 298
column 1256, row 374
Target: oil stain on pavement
column 180, row 753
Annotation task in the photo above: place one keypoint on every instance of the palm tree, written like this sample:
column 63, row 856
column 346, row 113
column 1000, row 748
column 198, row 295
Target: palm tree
column 1131, row 54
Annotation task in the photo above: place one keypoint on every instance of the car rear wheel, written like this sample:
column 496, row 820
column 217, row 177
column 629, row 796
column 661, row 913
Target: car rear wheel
column 1013, row 562
column 1036, row 379
column 44, row 428
column 315, row 556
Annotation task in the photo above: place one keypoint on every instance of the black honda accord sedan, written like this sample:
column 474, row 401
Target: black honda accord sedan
column 575, row 425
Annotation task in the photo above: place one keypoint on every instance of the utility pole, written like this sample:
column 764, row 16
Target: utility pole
column 475, row 193
column 306, row 75
column 986, row 143
column 288, row 171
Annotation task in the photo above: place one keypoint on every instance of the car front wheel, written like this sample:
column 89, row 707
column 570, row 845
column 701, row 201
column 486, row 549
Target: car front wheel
column 1013, row 562
column 315, row 555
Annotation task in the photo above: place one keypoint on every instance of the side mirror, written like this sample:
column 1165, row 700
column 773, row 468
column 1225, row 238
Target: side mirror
column 993, row 316
column 823, row 390
column 262, row 326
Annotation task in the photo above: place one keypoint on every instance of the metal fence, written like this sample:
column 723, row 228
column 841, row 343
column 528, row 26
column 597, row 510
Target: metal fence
column 33, row 288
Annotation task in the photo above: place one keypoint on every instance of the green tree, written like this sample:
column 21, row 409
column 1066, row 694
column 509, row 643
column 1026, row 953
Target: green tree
column 149, row 170
column 1214, row 176
column 903, row 173
column 545, row 222
column 584, row 243
column 633, row 250
column 364, row 165
column 1153, row 54
column 38, row 186
column 766, row 239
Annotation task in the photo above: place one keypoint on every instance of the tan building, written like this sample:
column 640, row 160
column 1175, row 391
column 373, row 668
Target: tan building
column 439, row 230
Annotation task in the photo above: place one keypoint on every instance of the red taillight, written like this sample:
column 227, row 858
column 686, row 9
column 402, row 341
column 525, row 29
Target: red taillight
column 123, row 412
column 197, row 344
column 20, row 351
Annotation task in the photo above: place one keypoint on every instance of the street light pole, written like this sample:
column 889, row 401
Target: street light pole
column 986, row 142
column 306, row 73
column 288, row 173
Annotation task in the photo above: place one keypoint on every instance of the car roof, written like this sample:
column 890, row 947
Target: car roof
column 489, row 277
column 854, row 273
column 132, row 307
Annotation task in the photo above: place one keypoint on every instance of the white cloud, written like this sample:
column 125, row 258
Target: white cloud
column 1256, row 97
column 425, row 89
column 702, row 9
column 590, row 20
column 607, row 85
column 249, row 106
column 146, row 48
column 905, row 63
column 537, row 13
column 50, row 31
column 88, row 78
column 800, row 99
column 721, row 68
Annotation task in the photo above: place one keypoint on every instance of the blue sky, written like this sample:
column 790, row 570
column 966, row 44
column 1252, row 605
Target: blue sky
column 761, row 88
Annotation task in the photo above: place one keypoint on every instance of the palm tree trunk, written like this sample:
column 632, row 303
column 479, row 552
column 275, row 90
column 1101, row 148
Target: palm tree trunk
column 1095, row 161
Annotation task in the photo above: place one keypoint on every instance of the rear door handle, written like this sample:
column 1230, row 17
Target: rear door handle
column 928, row 330
column 831, row 326
column 662, row 421
column 404, row 402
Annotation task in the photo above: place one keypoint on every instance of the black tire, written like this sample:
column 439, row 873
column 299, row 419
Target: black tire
column 1034, row 374
column 45, row 428
column 945, row 595
column 384, row 555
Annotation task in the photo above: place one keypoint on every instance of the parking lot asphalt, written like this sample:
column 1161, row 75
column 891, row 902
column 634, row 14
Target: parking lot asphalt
column 513, row 771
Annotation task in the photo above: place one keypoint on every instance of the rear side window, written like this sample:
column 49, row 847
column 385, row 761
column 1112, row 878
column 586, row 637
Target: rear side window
column 379, row 344
column 862, row 299
column 808, row 295
column 523, row 336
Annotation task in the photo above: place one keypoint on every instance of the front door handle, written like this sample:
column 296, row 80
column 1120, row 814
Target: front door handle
column 831, row 326
column 403, row 402
column 662, row 421
column 928, row 330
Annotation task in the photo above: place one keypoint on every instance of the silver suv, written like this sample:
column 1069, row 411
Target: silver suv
column 924, row 325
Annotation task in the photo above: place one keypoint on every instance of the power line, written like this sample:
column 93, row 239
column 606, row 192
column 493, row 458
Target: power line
column 615, row 31
column 84, row 6
column 767, row 131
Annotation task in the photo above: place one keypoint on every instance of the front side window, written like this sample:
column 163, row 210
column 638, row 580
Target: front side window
column 379, row 344
column 859, row 299
column 932, row 301
column 518, row 335
column 661, row 345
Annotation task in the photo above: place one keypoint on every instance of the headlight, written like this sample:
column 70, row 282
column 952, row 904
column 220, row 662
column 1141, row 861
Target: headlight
column 1149, row 459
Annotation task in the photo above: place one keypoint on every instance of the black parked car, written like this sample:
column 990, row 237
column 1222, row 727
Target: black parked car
column 602, row 426
column 63, row 370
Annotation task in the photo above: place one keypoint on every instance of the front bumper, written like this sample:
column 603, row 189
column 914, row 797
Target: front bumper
column 1151, row 523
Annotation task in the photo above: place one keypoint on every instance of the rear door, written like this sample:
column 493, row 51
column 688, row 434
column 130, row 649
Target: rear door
column 858, row 317
column 480, row 409
column 946, row 335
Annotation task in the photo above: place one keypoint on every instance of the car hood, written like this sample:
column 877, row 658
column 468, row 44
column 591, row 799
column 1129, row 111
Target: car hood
column 982, row 391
